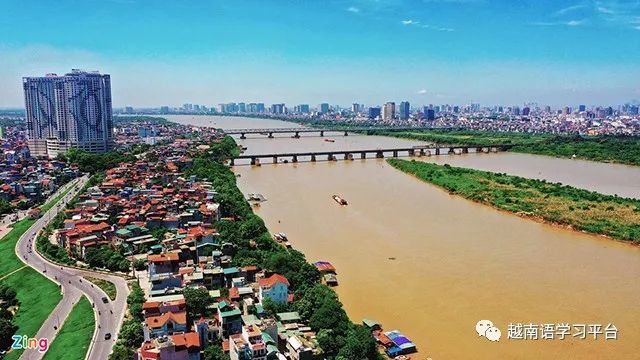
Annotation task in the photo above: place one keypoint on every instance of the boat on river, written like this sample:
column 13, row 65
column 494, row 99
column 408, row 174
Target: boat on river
column 329, row 140
column 340, row 200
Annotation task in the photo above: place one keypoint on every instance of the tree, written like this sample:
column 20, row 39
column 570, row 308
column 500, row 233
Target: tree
column 329, row 343
column 272, row 308
column 121, row 352
column 131, row 333
column 330, row 315
column 214, row 352
column 252, row 227
column 7, row 329
column 5, row 207
column 359, row 344
column 197, row 301
column 139, row 264
column 8, row 295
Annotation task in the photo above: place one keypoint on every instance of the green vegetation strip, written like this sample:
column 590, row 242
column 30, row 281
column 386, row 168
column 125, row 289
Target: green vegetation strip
column 579, row 209
column 38, row 295
column 615, row 149
column 75, row 335
column 107, row 286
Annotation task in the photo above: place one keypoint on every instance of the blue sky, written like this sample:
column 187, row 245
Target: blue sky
column 340, row 51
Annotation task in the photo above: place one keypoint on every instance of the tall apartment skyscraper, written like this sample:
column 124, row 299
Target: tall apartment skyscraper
column 70, row 111
column 374, row 112
column 389, row 111
column 324, row 108
column 404, row 110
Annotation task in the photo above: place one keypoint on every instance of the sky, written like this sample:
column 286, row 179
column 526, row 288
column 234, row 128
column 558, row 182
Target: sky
column 170, row 52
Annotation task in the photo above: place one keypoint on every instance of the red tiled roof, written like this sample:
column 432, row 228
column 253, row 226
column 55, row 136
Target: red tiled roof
column 163, row 257
column 159, row 321
column 272, row 280
column 189, row 339
column 234, row 293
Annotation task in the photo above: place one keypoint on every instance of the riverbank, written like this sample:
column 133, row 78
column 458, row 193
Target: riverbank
column 316, row 303
column 613, row 149
column 578, row 209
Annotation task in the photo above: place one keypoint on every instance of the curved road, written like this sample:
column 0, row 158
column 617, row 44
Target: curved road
column 108, row 315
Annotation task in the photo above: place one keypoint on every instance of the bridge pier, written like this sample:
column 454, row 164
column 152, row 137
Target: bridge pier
column 348, row 156
column 270, row 135
column 255, row 161
column 346, row 133
column 478, row 150
column 465, row 150
column 451, row 151
column 421, row 152
column 242, row 136
column 294, row 159
column 231, row 162
column 379, row 155
column 321, row 133
column 331, row 157
column 297, row 135
column 395, row 153
column 363, row 155
column 313, row 158
column 412, row 153
column 437, row 151
column 275, row 159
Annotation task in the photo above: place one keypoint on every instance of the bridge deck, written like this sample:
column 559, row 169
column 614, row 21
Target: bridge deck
column 370, row 151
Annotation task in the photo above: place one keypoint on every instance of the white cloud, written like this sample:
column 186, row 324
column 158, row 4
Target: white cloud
column 353, row 9
column 410, row 22
column 637, row 27
column 575, row 23
column 422, row 92
column 572, row 23
column 569, row 9
column 604, row 10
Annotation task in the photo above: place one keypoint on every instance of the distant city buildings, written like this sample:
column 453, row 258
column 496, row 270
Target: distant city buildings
column 405, row 110
column 375, row 112
column 301, row 109
column 323, row 108
column 70, row 111
column 277, row 109
column 389, row 111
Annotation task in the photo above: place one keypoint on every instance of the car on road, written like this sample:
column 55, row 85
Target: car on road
column 105, row 300
column 107, row 336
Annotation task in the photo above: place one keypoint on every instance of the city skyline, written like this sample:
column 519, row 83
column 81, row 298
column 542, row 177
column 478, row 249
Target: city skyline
column 422, row 51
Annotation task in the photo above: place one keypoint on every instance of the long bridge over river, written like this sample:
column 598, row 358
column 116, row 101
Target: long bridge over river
column 333, row 155
column 321, row 131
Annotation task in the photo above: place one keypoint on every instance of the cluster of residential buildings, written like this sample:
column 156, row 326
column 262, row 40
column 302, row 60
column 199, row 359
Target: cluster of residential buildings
column 151, row 210
column 24, row 180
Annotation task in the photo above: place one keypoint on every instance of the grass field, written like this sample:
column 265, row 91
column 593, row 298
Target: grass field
column 579, row 209
column 75, row 335
column 106, row 286
column 10, row 261
column 38, row 295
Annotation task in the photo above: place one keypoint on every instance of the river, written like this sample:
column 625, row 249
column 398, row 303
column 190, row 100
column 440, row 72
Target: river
column 431, row 265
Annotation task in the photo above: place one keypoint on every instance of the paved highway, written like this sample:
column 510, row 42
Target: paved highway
column 108, row 315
